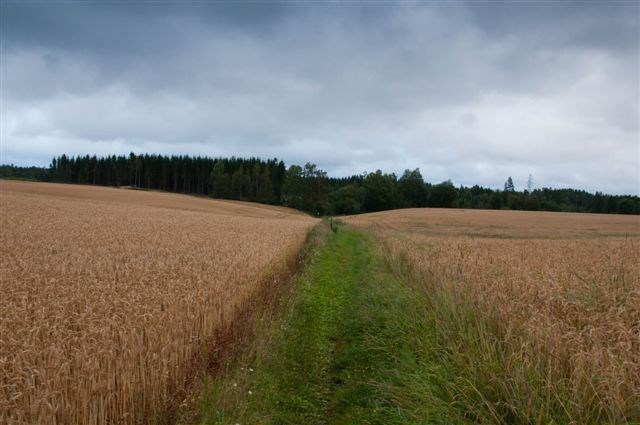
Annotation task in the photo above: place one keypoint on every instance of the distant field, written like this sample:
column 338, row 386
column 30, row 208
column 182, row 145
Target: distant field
column 545, row 306
column 107, row 294
column 145, row 198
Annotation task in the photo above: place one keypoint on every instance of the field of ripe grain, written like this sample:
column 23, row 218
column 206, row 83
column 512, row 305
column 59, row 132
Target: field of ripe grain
column 546, row 306
column 108, row 294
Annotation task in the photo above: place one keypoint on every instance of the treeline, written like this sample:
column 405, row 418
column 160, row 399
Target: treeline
column 24, row 173
column 250, row 179
column 309, row 188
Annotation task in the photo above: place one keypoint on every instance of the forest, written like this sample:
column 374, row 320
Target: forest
column 307, row 187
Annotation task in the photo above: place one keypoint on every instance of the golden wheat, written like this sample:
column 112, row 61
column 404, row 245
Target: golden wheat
column 564, row 290
column 108, row 294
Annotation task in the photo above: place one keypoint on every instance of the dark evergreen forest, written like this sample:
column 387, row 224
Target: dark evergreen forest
column 308, row 188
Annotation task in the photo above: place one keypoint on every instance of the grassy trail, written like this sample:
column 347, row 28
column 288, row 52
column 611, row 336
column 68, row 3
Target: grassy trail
column 365, row 340
column 334, row 357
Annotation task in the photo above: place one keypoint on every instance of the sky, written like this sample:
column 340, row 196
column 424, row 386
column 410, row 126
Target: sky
column 470, row 91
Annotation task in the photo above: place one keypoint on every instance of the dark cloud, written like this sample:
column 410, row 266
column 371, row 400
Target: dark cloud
column 96, row 26
column 470, row 91
column 592, row 24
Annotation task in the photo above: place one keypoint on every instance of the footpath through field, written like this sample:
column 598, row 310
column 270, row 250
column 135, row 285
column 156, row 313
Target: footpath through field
column 335, row 356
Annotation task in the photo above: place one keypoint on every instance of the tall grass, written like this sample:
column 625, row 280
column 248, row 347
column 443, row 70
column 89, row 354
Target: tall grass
column 471, row 366
column 531, row 323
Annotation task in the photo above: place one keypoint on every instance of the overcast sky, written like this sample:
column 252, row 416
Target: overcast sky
column 468, row 91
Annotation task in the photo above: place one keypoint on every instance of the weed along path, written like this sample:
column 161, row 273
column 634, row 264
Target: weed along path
column 334, row 357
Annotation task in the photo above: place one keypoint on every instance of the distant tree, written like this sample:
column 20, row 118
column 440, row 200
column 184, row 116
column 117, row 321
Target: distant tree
column 247, row 187
column 611, row 205
column 381, row 192
column 135, row 163
column 217, row 181
column 305, row 188
column 255, row 181
column 225, row 186
column 81, row 170
column 63, row 165
column 513, row 200
column 92, row 175
column 531, row 203
column 443, row 195
column 237, row 179
column 265, row 188
column 598, row 204
column 278, row 175
column 508, row 185
column 347, row 199
column 412, row 188
column 293, row 192
column 626, row 206
column 314, row 180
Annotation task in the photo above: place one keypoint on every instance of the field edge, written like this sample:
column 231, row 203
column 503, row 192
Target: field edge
column 238, row 340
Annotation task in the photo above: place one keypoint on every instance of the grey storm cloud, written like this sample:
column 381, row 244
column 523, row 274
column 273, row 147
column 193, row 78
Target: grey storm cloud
column 471, row 91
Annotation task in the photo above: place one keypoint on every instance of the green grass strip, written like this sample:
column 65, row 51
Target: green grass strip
column 334, row 357
column 365, row 340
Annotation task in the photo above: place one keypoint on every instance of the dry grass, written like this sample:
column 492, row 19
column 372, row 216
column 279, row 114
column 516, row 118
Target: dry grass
column 108, row 294
column 563, row 291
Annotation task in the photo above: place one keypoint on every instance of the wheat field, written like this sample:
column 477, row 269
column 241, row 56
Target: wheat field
column 108, row 294
column 562, row 291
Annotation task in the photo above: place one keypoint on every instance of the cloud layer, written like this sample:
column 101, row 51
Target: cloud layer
column 475, row 92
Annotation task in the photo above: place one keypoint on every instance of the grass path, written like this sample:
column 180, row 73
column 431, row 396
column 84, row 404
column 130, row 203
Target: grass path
column 365, row 340
column 362, row 342
column 335, row 356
